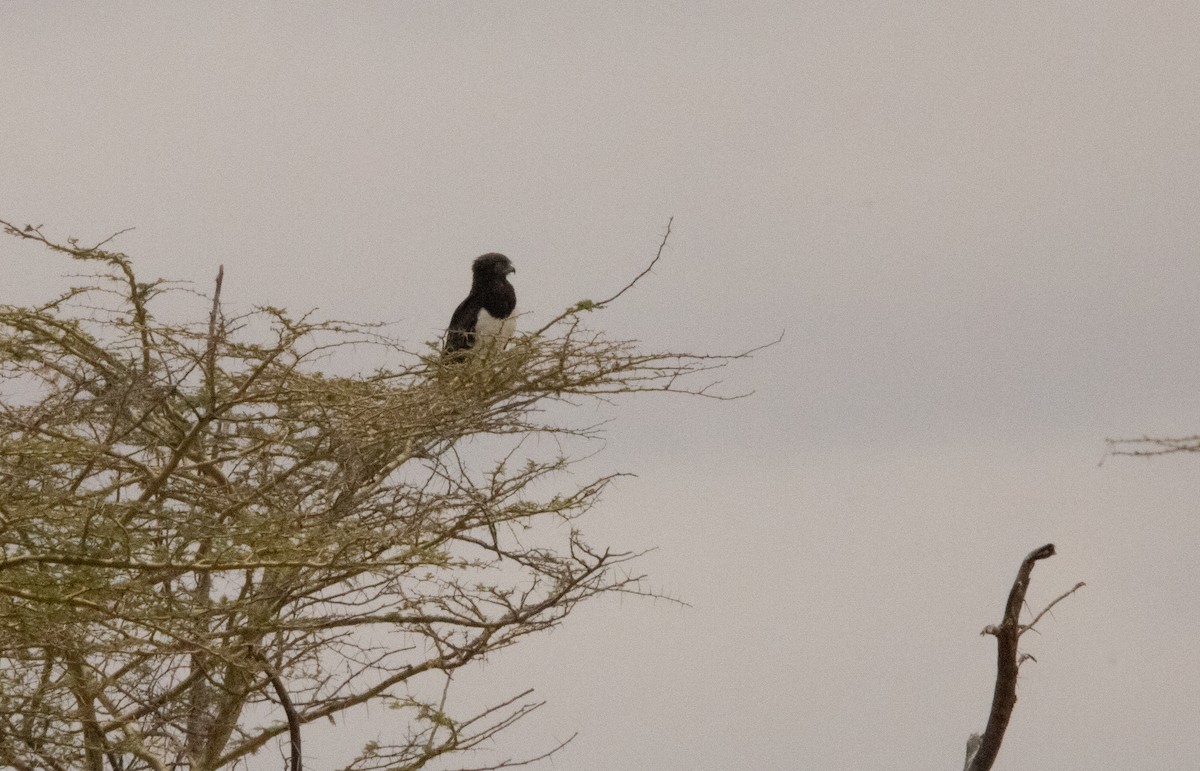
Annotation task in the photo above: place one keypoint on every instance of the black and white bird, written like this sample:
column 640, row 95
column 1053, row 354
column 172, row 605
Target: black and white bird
column 489, row 314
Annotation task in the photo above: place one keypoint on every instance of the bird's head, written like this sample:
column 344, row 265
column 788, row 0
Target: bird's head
column 492, row 264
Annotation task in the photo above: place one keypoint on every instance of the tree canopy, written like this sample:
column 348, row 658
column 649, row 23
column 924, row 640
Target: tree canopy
column 209, row 539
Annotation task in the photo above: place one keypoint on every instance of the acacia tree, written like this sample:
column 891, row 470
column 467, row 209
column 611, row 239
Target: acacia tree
column 206, row 542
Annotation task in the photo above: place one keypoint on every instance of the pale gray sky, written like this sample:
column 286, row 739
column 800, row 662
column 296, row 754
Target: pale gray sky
column 977, row 223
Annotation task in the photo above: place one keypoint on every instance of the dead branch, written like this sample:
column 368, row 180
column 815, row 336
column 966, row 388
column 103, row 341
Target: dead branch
column 1151, row 446
column 982, row 750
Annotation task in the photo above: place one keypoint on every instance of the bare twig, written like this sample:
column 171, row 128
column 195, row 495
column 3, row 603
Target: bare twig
column 114, row 235
column 1026, row 627
column 526, row 761
column 662, row 245
column 589, row 305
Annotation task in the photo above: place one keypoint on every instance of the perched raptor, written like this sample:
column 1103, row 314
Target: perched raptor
column 488, row 315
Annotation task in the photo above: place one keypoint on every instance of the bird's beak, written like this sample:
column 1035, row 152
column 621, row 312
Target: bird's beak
column 511, row 269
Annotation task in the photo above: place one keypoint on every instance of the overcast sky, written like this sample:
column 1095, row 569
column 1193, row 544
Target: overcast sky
column 976, row 223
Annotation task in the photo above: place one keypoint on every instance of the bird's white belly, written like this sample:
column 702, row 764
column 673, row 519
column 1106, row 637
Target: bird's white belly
column 489, row 329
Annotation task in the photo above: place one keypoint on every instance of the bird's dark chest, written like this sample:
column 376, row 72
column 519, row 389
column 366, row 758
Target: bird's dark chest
column 498, row 298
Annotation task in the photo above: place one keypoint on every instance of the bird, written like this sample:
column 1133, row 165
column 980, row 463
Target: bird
column 488, row 315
